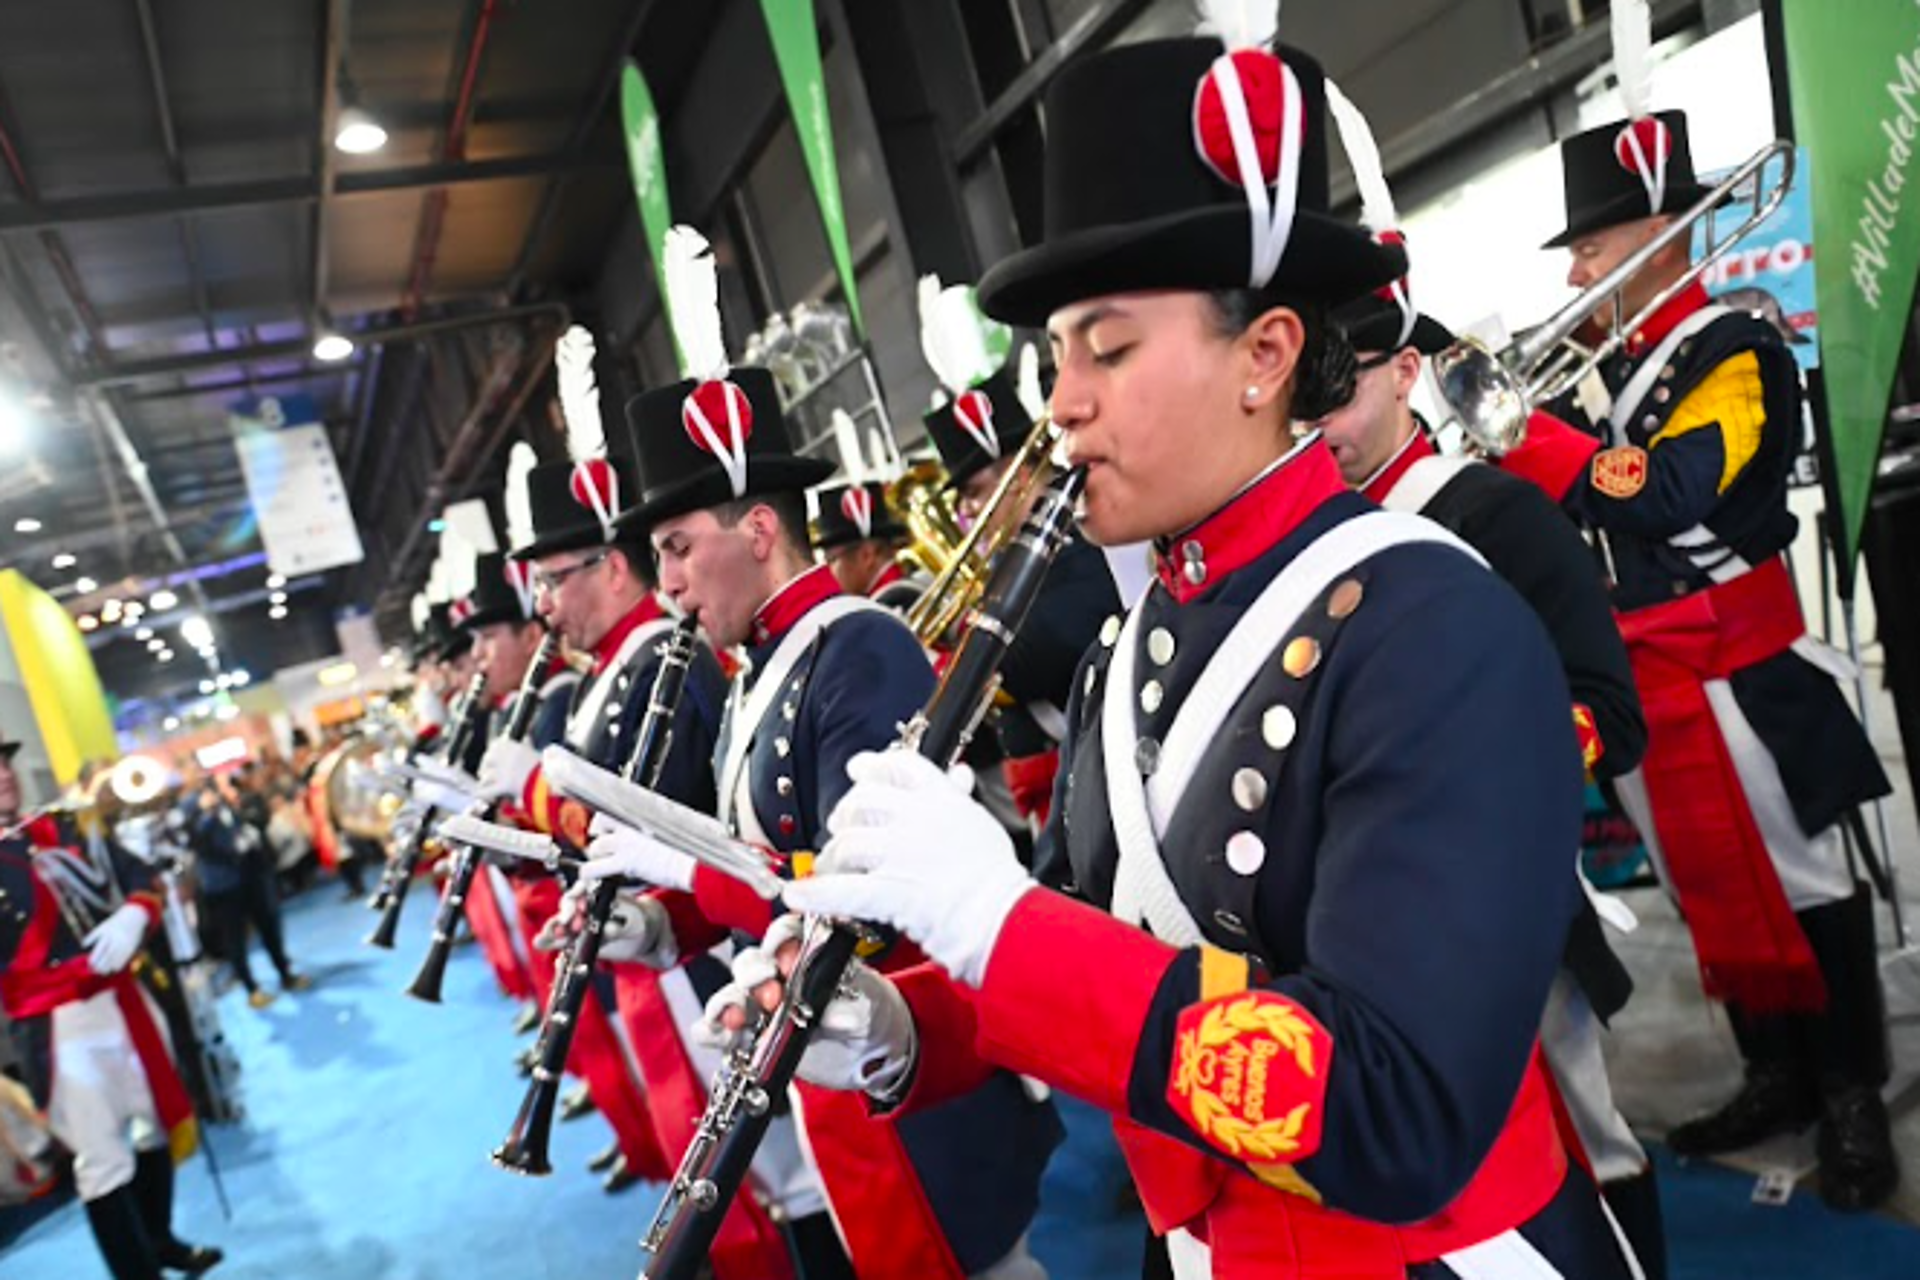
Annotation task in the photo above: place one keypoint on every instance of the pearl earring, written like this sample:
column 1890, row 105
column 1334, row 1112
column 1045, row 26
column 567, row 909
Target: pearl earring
column 1253, row 393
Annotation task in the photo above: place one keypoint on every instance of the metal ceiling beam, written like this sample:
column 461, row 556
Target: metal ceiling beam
column 453, row 148
column 136, row 370
column 31, row 215
column 333, row 39
column 316, row 373
column 176, row 166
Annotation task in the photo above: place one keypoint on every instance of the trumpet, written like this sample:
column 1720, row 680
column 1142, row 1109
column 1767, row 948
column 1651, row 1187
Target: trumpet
column 715, row 1164
column 962, row 580
column 525, row 1148
column 1492, row 393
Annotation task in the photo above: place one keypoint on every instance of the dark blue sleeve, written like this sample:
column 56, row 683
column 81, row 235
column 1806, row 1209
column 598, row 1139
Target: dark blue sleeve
column 1440, row 897
column 869, row 678
column 687, row 773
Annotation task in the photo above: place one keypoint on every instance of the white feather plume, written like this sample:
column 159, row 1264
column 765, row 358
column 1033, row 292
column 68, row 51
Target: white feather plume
column 474, row 523
column 1241, row 24
column 457, row 558
column 1633, row 54
column 1363, row 154
column 579, row 394
column 436, row 589
column 521, row 460
column 693, row 303
column 1027, row 385
column 418, row 609
column 953, row 334
column 846, row 439
column 880, row 447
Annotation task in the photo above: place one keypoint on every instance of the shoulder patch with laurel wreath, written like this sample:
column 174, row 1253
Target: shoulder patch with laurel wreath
column 1250, row 1075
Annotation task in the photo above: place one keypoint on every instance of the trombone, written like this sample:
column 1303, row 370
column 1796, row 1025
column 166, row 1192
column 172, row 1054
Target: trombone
column 963, row 580
column 1492, row 393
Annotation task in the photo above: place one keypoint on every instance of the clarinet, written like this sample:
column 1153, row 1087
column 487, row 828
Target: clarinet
column 741, row 1107
column 398, row 876
column 433, row 969
column 525, row 1149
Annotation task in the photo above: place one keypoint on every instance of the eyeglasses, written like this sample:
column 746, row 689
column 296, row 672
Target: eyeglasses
column 547, row 581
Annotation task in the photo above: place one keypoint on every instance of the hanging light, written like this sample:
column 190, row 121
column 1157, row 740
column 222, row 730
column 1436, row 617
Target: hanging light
column 27, row 524
column 358, row 133
column 332, row 347
column 65, row 561
column 164, row 599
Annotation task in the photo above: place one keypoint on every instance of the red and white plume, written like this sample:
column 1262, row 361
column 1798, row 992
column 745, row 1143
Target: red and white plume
column 1249, row 124
column 1643, row 143
column 716, row 414
column 1376, row 198
column 595, row 485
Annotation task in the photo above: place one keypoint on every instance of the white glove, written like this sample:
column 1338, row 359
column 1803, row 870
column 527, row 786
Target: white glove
column 639, row 932
column 864, row 1041
column 505, row 768
column 560, row 927
column 444, row 796
column 620, row 850
column 910, row 848
column 112, row 942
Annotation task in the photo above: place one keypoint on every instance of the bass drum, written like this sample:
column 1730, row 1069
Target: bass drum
column 352, row 796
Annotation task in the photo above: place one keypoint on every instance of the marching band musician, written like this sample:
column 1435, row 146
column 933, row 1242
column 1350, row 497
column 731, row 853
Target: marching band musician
column 1679, row 461
column 827, row 675
column 1383, row 450
column 594, row 588
column 860, row 539
column 1322, row 787
column 978, row 433
column 96, row 1048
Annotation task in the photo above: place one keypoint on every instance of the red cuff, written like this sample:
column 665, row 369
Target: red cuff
column 149, row 903
column 693, row 932
column 1554, row 455
column 728, row 902
column 949, row 1065
column 1067, row 995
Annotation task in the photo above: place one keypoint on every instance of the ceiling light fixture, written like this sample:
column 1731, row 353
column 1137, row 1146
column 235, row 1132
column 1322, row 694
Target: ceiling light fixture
column 87, row 586
column 275, row 581
column 332, row 347
column 88, row 622
column 143, row 634
column 65, row 561
column 358, row 133
column 27, row 524
column 278, row 612
column 170, row 723
column 164, row 599
column 278, row 597
column 197, row 632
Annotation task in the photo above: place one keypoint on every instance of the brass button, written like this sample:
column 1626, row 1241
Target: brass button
column 1160, row 646
column 1246, row 853
column 1302, row 655
column 1249, row 789
column 1151, row 695
column 1277, row 727
column 1345, row 598
column 1110, row 630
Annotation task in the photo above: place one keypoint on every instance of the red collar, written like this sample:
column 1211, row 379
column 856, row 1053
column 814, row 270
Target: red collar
column 1416, row 448
column 1251, row 524
column 791, row 603
column 888, row 576
column 1667, row 318
column 609, row 647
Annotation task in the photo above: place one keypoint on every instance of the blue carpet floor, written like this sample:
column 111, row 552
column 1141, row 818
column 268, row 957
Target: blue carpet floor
column 363, row 1156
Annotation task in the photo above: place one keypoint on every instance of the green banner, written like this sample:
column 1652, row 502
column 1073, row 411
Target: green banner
column 796, row 47
column 646, row 164
column 1854, row 72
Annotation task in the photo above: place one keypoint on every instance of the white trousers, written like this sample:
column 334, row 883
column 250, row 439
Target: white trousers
column 1570, row 1039
column 102, row 1106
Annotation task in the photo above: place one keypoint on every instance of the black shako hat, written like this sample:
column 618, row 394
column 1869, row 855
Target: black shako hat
column 502, row 592
column 979, row 427
column 697, row 444
column 7, row 748
column 854, row 513
column 1625, row 171
column 440, row 639
column 573, row 504
column 1378, row 322
column 1143, row 185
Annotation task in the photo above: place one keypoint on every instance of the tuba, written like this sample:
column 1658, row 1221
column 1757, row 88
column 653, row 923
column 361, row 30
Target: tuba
column 961, row 581
column 1491, row 394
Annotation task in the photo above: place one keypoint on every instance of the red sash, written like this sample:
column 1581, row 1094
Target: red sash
column 1255, row 1230
column 490, row 930
column 1751, row 948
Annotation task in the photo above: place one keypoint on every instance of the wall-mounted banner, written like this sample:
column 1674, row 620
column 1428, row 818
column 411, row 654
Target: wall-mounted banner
column 1771, row 271
column 796, row 47
column 647, row 166
column 1854, row 73
column 293, row 481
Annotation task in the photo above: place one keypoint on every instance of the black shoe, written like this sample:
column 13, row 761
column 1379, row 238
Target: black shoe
column 296, row 982
column 605, row 1160
column 1858, row 1169
column 576, row 1104
column 1774, row 1099
column 194, row 1259
column 619, row 1178
column 528, row 1021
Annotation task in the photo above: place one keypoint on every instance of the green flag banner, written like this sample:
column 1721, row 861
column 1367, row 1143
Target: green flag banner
column 640, row 128
column 796, row 47
column 1854, row 75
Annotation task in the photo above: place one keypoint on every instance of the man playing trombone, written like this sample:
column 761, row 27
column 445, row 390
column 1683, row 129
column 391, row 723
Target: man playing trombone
column 1687, row 435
